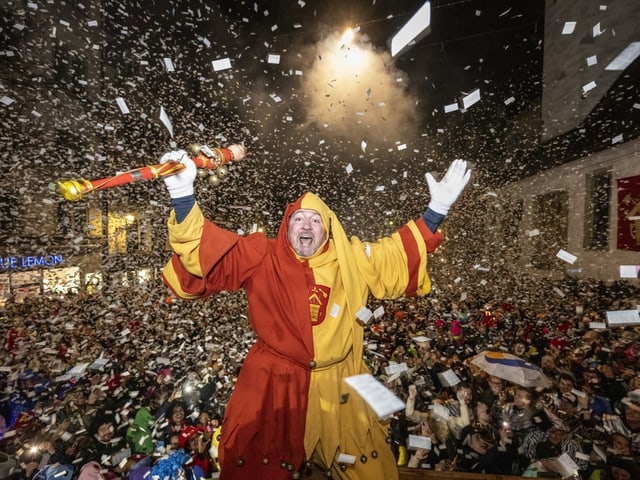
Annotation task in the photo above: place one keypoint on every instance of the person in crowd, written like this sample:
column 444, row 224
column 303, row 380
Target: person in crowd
column 306, row 290
column 565, row 383
column 628, row 422
column 139, row 434
column 493, row 392
column 176, row 419
column 597, row 401
column 519, row 413
column 620, row 469
column 442, row 452
column 109, row 449
column 558, row 441
column 195, row 441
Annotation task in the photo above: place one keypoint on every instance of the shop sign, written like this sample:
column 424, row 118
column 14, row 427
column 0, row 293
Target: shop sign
column 49, row 260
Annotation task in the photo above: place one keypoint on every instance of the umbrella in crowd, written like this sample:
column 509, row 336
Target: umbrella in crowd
column 511, row 368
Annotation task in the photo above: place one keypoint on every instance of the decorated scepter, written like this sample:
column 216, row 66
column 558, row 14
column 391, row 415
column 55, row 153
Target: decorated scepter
column 209, row 158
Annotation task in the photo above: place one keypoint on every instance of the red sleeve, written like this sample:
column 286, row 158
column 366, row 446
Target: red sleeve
column 432, row 240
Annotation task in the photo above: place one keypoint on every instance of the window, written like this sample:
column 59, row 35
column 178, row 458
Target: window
column 552, row 219
column 597, row 211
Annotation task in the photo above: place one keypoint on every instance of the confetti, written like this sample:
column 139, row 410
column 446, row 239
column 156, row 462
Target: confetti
column 164, row 118
column 221, row 64
column 568, row 28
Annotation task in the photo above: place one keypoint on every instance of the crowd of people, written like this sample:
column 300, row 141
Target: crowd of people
column 131, row 383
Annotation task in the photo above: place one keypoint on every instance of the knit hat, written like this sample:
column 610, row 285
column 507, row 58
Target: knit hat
column 186, row 433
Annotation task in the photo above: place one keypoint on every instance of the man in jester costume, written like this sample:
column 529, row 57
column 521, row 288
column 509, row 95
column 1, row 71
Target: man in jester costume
column 291, row 406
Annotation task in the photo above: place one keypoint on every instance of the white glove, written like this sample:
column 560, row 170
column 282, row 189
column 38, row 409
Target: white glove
column 180, row 184
column 447, row 190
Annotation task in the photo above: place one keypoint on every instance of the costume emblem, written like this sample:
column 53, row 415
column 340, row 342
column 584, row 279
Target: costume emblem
column 318, row 300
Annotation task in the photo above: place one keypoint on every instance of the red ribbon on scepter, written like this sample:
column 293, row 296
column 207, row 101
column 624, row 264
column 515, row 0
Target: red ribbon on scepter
column 209, row 158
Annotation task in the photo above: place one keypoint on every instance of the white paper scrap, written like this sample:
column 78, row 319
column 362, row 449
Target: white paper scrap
column 625, row 58
column 629, row 271
column 378, row 313
column 448, row 378
column 588, row 87
column 273, row 58
column 164, row 118
column 452, row 107
column 168, row 64
column 395, row 368
column 6, row 100
column 221, row 64
column 592, row 60
column 562, row 465
column 568, row 28
column 418, row 441
column 620, row 318
column 364, row 315
column 411, row 30
column 471, row 99
column 123, row 105
column 380, row 399
column 347, row 459
column 363, row 146
column 534, row 232
column 439, row 411
column 566, row 256
column 596, row 30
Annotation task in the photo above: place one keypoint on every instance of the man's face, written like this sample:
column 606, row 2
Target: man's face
column 105, row 432
column 565, row 385
column 306, row 232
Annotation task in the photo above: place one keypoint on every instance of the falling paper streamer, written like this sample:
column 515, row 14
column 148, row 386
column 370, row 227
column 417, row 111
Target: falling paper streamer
column 625, row 58
column 164, row 118
column 412, row 31
column 123, row 105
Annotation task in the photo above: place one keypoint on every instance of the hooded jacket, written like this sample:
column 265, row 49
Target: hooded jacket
column 290, row 404
column 139, row 435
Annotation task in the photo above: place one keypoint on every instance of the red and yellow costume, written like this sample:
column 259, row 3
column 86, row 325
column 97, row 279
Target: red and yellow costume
column 290, row 404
